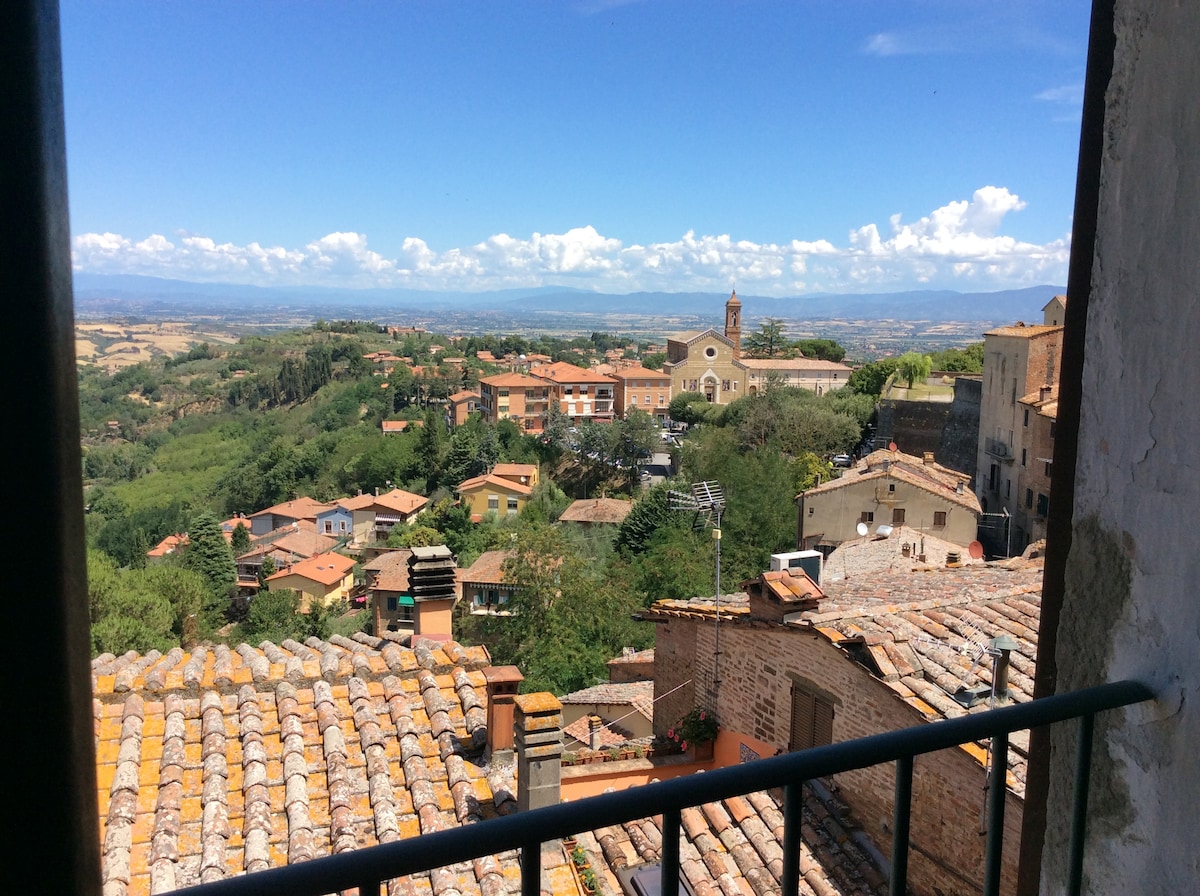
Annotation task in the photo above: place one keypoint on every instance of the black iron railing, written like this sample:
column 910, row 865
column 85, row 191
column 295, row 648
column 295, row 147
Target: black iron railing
column 368, row 868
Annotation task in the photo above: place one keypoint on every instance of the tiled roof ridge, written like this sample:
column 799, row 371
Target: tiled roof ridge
column 303, row 664
column 816, row 619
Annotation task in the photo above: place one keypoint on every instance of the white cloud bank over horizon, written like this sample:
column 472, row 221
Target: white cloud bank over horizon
column 957, row 246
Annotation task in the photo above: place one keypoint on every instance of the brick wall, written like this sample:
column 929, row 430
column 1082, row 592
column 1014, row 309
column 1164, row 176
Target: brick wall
column 674, row 664
column 758, row 666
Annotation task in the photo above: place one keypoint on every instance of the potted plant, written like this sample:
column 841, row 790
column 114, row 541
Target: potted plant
column 569, row 758
column 696, row 730
column 588, row 878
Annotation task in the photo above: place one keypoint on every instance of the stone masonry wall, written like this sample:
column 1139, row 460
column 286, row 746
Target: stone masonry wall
column 758, row 666
column 915, row 426
column 674, row 664
column 959, row 445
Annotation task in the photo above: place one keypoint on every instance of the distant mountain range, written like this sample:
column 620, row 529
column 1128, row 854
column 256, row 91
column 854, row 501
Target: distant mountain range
column 97, row 292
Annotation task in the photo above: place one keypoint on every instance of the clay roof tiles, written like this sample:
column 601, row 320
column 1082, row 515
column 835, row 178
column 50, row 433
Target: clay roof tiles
column 230, row 759
column 223, row 760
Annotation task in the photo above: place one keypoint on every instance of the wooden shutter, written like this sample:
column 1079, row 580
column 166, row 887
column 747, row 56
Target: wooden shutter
column 812, row 720
column 802, row 719
column 822, row 722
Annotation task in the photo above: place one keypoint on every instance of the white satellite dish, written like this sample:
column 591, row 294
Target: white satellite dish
column 862, row 529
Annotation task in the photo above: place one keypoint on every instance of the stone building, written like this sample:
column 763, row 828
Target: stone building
column 706, row 361
column 889, row 488
column 1019, row 361
column 802, row 665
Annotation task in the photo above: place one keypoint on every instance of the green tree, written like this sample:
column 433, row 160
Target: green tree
column 768, row 341
column 266, row 570
column 871, row 378
column 125, row 613
column 913, row 366
column 414, row 536
column 635, row 438
column 688, row 407
column 209, row 554
column 273, row 616
column 648, row 515
column 462, row 458
column 825, row 349
column 654, row 360
column 240, row 539
column 569, row 617
column 960, row 360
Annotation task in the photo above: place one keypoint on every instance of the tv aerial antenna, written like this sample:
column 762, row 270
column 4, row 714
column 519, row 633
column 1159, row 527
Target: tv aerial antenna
column 977, row 645
column 706, row 501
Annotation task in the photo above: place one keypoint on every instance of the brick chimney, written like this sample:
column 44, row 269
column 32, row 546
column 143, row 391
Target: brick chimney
column 503, row 682
column 538, row 742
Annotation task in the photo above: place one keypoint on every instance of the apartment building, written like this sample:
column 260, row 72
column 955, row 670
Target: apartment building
column 640, row 387
column 515, row 396
column 1020, row 374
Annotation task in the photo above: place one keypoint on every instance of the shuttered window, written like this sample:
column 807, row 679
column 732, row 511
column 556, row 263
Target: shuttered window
column 812, row 720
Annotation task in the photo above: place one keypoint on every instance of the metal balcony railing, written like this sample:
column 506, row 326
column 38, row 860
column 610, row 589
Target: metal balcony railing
column 368, row 868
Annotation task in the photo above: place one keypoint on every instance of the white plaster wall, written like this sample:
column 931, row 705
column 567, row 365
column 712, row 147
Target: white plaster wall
column 1132, row 608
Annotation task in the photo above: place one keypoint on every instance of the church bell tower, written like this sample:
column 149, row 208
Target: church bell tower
column 733, row 323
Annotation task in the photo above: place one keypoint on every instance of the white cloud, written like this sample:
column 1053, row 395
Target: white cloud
column 960, row 244
column 1068, row 94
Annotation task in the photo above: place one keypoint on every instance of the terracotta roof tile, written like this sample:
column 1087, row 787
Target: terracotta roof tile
column 221, row 760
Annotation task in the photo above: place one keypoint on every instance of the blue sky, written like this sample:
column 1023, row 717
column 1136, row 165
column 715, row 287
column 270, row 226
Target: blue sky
column 776, row 147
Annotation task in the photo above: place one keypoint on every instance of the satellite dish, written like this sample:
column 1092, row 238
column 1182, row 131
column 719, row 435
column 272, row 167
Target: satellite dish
column 891, row 446
column 884, row 530
column 862, row 529
column 975, row 549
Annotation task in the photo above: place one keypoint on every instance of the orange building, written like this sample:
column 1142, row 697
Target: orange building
column 582, row 394
column 640, row 387
column 514, row 396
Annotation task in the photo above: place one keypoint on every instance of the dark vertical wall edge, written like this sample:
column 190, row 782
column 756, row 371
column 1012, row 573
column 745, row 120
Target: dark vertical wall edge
column 50, row 791
column 1101, row 47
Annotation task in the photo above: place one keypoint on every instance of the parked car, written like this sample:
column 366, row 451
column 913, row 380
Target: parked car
column 843, row 460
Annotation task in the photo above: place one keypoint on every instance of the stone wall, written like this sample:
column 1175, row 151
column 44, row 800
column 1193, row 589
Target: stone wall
column 1130, row 609
column 915, row 426
column 959, row 445
column 758, row 667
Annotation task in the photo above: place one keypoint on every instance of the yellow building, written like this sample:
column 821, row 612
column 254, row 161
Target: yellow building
column 707, row 362
column 493, row 494
column 325, row 578
column 889, row 488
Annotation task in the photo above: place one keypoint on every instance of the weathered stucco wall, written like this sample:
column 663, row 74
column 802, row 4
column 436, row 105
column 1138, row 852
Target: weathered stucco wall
column 1131, row 609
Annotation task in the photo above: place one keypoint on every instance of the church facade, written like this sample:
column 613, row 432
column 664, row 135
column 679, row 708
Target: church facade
column 708, row 362
column 711, row 363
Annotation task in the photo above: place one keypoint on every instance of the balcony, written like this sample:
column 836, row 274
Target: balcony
column 527, row 832
column 998, row 449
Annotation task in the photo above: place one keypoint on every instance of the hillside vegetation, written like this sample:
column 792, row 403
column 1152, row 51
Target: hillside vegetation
column 171, row 445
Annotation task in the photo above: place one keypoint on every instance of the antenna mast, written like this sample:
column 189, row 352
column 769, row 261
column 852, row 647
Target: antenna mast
column 707, row 500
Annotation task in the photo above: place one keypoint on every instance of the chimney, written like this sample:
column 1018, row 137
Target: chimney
column 959, row 488
column 928, row 458
column 538, row 742
column 1044, row 392
column 953, row 559
column 1002, row 648
column 503, row 682
column 595, row 723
